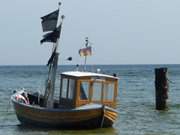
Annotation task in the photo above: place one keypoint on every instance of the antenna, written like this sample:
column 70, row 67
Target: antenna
column 85, row 59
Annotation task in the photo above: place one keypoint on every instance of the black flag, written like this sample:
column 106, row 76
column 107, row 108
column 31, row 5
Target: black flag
column 52, row 36
column 49, row 21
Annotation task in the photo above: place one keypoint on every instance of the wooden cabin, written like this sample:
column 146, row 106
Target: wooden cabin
column 80, row 88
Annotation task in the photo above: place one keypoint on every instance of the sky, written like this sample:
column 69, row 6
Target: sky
column 121, row 31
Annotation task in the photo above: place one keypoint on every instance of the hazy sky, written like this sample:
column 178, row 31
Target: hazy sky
column 122, row 31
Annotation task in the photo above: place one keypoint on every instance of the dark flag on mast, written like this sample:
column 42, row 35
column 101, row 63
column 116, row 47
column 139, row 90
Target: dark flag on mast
column 49, row 21
column 52, row 36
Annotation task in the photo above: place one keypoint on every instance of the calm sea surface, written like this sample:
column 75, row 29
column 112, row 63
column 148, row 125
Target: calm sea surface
column 136, row 97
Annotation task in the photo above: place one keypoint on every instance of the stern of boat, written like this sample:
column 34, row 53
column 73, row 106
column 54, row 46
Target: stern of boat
column 109, row 116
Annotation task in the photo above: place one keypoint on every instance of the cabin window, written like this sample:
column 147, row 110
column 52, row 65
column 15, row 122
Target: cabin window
column 84, row 90
column 71, row 88
column 97, row 88
column 68, row 86
column 64, row 87
column 108, row 91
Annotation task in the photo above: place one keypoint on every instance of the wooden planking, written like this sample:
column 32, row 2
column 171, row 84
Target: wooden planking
column 110, row 114
column 44, row 116
column 59, row 118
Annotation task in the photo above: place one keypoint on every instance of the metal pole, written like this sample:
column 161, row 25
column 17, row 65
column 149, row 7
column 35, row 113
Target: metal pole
column 85, row 63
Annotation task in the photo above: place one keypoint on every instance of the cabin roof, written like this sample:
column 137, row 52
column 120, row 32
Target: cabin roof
column 86, row 74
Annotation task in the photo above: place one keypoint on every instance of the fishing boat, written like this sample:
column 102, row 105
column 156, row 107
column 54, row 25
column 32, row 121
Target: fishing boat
column 86, row 99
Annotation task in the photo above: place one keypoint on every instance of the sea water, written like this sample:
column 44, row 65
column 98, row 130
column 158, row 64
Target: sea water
column 136, row 100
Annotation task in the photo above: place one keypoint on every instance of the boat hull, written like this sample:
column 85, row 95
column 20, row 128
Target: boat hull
column 67, row 119
column 88, row 116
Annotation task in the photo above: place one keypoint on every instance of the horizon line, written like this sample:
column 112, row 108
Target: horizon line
column 86, row 65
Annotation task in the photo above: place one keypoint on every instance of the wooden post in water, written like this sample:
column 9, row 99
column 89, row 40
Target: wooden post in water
column 161, row 86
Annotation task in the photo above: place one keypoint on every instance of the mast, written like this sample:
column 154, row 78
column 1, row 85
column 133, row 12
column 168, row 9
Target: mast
column 52, row 64
column 51, row 81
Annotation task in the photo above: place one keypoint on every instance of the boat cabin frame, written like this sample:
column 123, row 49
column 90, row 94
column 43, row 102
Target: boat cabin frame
column 80, row 88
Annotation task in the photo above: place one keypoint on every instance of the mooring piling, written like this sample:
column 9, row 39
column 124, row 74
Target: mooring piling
column 161, row 88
